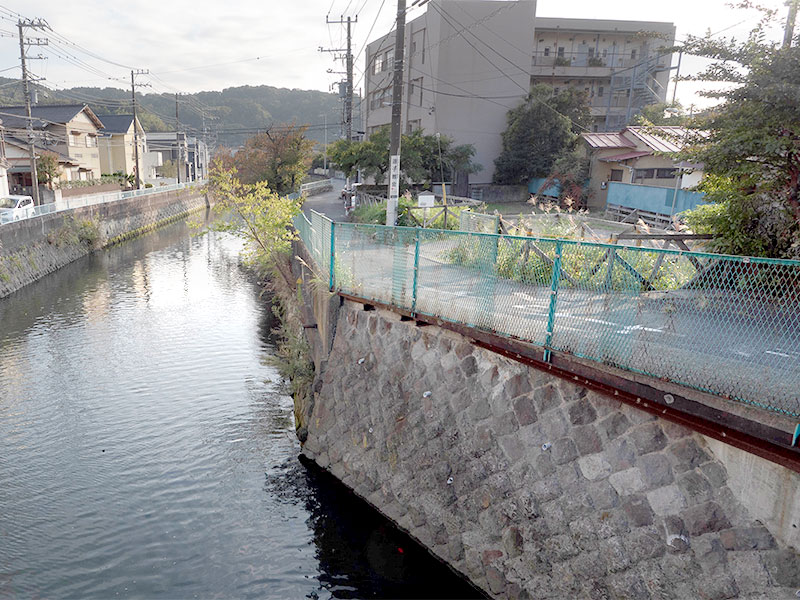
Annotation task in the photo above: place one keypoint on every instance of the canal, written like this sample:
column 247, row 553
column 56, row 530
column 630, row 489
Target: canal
column 147, row 447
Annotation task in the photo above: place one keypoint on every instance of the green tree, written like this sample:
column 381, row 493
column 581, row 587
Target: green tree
column 662, row 113
column 47, row 168
column 420, row 158
column 281, row 156
column 750, row 146
column 263, row 217
column 540, row 130
column 168, row 169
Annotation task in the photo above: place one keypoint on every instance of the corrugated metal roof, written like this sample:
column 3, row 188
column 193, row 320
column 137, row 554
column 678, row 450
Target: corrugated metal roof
column 662, row 138
column 626, row 156
column 607, row 140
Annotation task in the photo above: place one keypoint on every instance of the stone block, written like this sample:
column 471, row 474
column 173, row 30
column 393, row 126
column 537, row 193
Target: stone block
column 613, row 426
column 667, row 500
column 638, row 511
column 603, row 495
column 590, row 565
column 783, row 567
column 513, row 541
column 594, row 467
column 648, row 438
column 562, row 547
column 546, row 489
column 687, row 454
column 747, row 538
column 705, row 518
column 627, row 482
column 479, row 410
column 525, row 410
column 586, row 440
column 581, row 412
column 695, row 487
column 716, row 473
column 469, row 366
column 620, row 454
column 564, row 451
column 512, row 447
column 656, row 470
column 603, row 404
column 546, row 398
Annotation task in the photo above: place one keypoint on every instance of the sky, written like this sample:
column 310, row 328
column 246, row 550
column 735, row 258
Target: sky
column 190, row 46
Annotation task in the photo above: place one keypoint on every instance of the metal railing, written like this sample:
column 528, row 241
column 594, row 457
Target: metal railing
column 74, row 202
column 312, row 186
column 727, row 325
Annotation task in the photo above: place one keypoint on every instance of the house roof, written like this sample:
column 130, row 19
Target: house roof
column 15, row 116
column 660, row 138
column 117, row 123
column 607, row 140
column 626, row 156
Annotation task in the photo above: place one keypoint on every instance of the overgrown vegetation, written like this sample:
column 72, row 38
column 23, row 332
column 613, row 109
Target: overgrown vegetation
column 750, row 144
column 408, row 215
column 423, row 158
column 76, row 231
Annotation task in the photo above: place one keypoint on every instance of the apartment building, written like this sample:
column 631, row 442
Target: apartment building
column 468, row 62
column 621, row 65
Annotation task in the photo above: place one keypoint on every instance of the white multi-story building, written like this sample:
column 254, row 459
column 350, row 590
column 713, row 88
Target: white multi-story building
column 468, row 62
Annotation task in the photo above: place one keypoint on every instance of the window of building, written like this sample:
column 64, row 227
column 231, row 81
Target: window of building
column 561, row 51
column 415, row 91
column 413, row 125
column 91, row 141
column 547, row 51
column 665, row 173
column 388, row 61
column 591, row 52
column 377, row 64
column 616, row 175
column 418, row 45
column 639, row 174
column 633, row 54
column 600, row 91
column 72, row 138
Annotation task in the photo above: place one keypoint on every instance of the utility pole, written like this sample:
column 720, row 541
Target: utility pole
column 134, row 73
column 177, row 142
column 23, row 24
column 788, row 34
column 397, row 113
column 348, row 57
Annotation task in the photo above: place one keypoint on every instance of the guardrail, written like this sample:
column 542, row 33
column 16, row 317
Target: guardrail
column 94, row 199
column 314, row 186
column 727, row 325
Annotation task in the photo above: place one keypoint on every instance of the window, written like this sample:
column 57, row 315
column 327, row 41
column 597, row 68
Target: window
column 412, row 126
column 561, row 51
column 665, row 173
column 418, row 45
column 547, row 51
column 600, row 91
column 633, row 54
column 616, row 175
column 72, row 138
column 388, row 60
column 415, row 92
column 644, row 174
column 377, row 64
column 591, row 52
column 91, row 141
column 78, row 155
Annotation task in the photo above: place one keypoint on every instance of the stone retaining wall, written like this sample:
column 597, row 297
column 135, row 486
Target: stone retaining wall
column 32, row 248
column 530, row 486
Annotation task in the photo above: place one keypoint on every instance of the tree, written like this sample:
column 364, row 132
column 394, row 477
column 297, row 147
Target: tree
column 662, row 113
column 543, row 128
column 281, row 156
column 47, row 168
column 750, row 146
column 420, row 157
column 264, row 217
column 168, row 169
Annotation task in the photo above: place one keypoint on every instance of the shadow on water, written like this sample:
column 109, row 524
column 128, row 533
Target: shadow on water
column 361, row 554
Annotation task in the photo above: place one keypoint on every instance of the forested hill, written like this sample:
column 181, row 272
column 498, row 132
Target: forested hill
column 231, row 115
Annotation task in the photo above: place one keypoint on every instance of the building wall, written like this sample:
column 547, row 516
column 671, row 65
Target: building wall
column 76, row 147
column 444, row 67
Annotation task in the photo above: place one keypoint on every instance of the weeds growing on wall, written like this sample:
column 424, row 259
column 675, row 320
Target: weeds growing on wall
column 76, row 231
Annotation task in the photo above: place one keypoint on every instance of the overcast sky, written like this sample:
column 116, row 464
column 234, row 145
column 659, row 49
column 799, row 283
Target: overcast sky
column 194, row 46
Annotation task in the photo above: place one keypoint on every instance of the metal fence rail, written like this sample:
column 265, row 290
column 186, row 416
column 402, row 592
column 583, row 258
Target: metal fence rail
column 71, row 203
column 722, row 324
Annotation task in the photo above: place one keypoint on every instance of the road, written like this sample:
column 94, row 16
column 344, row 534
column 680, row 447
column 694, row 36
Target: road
column 329, row 204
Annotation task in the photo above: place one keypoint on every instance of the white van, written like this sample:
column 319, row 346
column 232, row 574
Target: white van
column 14, row 208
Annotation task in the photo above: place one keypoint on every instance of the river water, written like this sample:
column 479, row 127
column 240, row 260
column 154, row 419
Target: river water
column 147, row 449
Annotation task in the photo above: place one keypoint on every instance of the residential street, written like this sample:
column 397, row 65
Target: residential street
column 329, row 204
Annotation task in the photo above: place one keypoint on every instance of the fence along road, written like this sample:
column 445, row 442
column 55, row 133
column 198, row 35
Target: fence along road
column 725, row 325
column 94, row 199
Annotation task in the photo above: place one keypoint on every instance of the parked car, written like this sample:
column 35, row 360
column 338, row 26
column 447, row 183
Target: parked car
column 14, row 208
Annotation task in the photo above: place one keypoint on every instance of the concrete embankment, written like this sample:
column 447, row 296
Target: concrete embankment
column 529, row 485
column 32, row 248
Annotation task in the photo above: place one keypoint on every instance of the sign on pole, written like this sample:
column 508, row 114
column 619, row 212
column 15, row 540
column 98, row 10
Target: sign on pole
column 426, row 200
column 394, row 189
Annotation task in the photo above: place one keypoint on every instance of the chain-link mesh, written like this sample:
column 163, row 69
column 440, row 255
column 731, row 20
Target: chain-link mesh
column 726, row 325
column 478, row 222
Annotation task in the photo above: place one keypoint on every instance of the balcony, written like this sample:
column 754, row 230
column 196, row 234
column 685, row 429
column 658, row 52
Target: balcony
column 580, row 64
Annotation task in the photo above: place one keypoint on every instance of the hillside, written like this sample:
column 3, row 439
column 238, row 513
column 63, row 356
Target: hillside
column 229, row 116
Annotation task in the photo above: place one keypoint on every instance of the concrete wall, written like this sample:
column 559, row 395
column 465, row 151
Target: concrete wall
column 32, row 248
column 530, row 486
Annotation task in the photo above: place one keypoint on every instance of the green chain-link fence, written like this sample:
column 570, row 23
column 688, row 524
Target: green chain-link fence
column 726, row 325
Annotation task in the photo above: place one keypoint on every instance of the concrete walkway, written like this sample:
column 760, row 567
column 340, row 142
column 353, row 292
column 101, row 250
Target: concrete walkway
column 329, row 204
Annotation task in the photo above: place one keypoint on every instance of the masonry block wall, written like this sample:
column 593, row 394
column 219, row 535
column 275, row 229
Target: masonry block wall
column 530, row 486
column 32, row 248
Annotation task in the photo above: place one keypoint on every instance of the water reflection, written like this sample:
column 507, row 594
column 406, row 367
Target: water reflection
column 147, row 450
